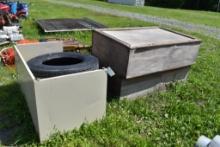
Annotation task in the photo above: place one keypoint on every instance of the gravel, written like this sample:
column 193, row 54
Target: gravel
column 207, row 30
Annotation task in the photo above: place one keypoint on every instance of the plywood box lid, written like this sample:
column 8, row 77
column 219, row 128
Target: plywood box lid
column 147, row 37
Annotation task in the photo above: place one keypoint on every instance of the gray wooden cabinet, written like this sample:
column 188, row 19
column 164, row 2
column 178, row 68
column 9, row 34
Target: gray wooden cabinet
column 141, row 53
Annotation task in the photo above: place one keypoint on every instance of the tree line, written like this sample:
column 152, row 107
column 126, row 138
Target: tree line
column 213, row 5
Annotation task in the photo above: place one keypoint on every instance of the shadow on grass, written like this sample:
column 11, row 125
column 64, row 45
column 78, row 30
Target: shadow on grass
column 16, row 127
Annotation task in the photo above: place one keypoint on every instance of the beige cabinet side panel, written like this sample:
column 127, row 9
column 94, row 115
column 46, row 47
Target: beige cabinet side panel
column 30, row 51
column 68, row 101
column 26, row 82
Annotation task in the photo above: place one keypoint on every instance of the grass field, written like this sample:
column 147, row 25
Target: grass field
column 196, row 17
column 173, row 118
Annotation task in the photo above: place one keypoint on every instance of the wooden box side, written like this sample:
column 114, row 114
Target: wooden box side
column 144, row 61
column 141, row 86
column 110, row 53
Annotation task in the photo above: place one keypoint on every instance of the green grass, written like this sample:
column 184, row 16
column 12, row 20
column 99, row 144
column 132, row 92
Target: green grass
column 197, row 17
column 176, row 117
column 56, row 11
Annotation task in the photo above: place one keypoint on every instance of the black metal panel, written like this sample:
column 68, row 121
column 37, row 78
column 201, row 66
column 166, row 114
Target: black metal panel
column 64, row 25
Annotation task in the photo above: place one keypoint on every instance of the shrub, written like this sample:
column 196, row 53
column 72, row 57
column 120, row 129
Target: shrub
column 167, row 3
column 188, row 4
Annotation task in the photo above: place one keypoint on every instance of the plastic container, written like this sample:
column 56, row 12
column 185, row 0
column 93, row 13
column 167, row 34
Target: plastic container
column 24, row 8
column 13, row 6
column 4, row 7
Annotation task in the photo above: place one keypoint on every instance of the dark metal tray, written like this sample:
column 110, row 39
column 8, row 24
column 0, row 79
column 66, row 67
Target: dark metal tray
column 68, row 24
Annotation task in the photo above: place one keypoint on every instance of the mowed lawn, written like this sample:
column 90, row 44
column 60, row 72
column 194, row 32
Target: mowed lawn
column 191, row 16
column 176, row 117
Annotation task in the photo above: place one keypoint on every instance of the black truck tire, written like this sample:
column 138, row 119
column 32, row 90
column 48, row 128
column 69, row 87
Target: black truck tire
column 62, row 63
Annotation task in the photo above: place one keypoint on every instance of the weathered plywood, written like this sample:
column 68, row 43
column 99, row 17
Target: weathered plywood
column 142, row 62
column 138, row 38
column 141, row 51
column 141, row 86
column 110, row 53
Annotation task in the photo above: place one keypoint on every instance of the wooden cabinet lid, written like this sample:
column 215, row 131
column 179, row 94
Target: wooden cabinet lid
column 147, row 37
